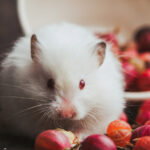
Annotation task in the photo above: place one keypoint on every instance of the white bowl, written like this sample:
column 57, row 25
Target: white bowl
column 127, row 14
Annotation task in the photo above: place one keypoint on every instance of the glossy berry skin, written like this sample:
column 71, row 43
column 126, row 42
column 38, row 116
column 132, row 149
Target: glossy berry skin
column 141, row 131
column 98, row 142
column 144, row 81
column 143, row 143
column 144, row 113
column 130, row 74
column 52, row 140
column 145, row 106
column 142, row 117
column 120, row 132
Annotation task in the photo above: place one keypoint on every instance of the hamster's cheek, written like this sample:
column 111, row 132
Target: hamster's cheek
column 81, row 110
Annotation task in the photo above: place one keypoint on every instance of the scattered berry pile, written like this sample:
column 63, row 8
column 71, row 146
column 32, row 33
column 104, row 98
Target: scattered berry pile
column 135, row 58
column 120, row 136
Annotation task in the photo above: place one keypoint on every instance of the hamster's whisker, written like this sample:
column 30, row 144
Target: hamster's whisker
column 30, row 109
column 92, row 116
column 24, row 98
column 84, row 124
column 45, row 118
column 22, row 88
column 21, row 113
column 43, row 111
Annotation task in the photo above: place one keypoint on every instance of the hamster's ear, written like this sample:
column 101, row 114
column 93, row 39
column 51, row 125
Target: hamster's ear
column 101, row 48
column 34, row 48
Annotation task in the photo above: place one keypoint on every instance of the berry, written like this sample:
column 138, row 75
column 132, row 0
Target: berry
column 52, row 140
column 142, row 143
column 120, row 132
column 98, row 142
column 142, row 117
column 140, row 132
column 144, row 81
column 130, row 74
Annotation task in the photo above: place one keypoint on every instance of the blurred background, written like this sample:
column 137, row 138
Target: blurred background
column 23, row 17
column 10, row 28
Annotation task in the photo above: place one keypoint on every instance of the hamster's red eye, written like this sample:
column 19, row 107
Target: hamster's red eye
column 81, row 84
column 51, row 84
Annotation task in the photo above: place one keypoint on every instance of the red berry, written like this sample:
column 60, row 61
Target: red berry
column 142, row 143
column 142, row 117
column 120, row 132
column 144, row 81
column 141, row 131
column 145, row 106
column 98, row 142
column 52, row 140
column 130, row 74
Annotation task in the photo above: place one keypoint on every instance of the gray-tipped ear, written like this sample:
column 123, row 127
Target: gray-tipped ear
column 101, row 49
column 34, row 47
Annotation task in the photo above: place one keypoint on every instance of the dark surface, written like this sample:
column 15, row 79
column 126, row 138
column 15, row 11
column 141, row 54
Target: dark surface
column 8, row 142
column 10, row 31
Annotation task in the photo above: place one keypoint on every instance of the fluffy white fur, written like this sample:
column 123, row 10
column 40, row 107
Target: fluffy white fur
column 67, row 54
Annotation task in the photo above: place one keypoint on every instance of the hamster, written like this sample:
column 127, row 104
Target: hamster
column 62, row 76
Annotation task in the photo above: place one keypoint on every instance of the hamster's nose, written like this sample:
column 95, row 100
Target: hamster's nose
column 67, row 110
column 70, row 114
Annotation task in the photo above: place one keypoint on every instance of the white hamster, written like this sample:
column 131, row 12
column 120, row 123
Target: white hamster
column 60, row 77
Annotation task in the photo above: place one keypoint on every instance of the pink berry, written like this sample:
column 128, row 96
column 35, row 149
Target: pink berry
column 142, row 143
column 144, row 81
column 98, row 142
column 52, row 140
column 141, row 131
column 130, row 74
column 142, row 117
column 145, row 106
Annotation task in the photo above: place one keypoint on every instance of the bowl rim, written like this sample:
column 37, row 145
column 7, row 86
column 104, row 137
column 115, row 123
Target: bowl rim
column 132, row 96
column 21, row 9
